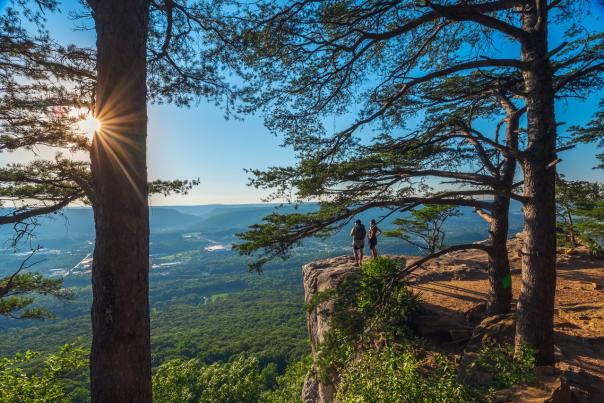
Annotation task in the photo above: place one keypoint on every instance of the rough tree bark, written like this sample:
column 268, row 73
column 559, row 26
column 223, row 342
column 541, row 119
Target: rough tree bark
column 536, row 302
column 500, row 290
column 120, row 359
column 500, row 279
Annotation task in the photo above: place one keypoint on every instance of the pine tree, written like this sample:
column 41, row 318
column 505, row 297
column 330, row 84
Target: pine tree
column 580, row 212
column 45, row 88
column 377, row 60
column 424, row 228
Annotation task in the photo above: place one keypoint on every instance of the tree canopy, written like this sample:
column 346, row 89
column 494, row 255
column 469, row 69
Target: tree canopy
column 395, row 73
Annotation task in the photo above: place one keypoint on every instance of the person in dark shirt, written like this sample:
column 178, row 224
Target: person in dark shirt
column 358, row 233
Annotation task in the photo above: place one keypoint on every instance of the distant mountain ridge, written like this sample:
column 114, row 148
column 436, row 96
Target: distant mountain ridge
column 78, row 222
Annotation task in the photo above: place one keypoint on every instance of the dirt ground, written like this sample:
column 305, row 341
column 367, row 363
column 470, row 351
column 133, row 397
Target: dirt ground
column 458, row 282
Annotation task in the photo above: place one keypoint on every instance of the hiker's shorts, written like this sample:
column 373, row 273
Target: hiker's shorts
column 358, row 244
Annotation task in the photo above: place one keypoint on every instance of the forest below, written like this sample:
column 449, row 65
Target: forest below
column 204, row 303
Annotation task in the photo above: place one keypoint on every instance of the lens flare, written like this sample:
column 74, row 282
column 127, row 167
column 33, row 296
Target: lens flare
column 90, row 125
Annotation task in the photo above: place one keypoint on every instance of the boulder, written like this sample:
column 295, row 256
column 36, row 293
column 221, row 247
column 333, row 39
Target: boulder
column 549, row 387
column 493, row 330
column 441, row 326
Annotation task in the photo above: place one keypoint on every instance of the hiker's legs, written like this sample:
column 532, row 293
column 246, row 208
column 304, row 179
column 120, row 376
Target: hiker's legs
column 361, row 251
column 373, row 247
column 355, row 252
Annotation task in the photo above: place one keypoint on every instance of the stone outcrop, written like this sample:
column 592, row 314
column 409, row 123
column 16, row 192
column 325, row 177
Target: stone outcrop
column 549, row 387
column 439, row 325
column 320, row 276
column 442, row 326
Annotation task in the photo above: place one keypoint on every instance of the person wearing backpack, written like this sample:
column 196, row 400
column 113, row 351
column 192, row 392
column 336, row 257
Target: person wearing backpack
column 358, row 234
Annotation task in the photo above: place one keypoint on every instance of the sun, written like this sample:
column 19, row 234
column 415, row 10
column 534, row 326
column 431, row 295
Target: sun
column 90, row 125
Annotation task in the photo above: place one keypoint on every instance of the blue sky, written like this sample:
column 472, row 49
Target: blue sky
column 198, row 142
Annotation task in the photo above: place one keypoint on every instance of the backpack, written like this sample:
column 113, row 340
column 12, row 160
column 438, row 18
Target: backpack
column 359, row 232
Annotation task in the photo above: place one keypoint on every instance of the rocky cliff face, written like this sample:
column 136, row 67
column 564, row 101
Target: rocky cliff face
column 437, row 325
column 319, row 276
column 322, row 275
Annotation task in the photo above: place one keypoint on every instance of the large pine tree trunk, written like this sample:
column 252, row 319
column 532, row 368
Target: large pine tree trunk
column 120, row 359
column 536, row 302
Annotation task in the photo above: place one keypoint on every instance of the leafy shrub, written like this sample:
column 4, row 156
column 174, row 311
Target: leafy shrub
column 17, row 384
column 289, row 385
column 391, row 376
column 238, row 381
column 507, row 368
column 373, row 303
column 385, row 298
column 373, row 299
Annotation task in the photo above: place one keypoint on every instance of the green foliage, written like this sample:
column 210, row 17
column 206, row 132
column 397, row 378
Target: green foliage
column 289, row 385
column 372, row 303
column 44, row 87
column 167, row 188
column 375, row 297
column 424, row 229
column 238, row 381
column 17, row 290
column 261, row 315
column 47, row 384
column 279, row 232
column 507, row 368
column 580, row 212
column 391, row 375
column 384, row 297
column 316, row 61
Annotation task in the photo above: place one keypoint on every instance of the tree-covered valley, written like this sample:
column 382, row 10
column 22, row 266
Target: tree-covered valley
column 205, row 304
column 193, row 272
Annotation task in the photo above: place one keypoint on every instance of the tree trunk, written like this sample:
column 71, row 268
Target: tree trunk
column 571, row 229
column 120, row 369
column 500, row 277
column 500, row 290
column 536, row 302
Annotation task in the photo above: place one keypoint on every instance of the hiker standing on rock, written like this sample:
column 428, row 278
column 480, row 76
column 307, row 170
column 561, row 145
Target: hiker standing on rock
column 374, row 231
column 358, row 233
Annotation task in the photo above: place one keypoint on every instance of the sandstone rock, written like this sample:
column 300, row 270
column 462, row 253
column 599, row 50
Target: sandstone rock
column 320, row 276
column 440, row 326
column 310, row 390
column 549, row 387
column 591, row 285
column 494, row 330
